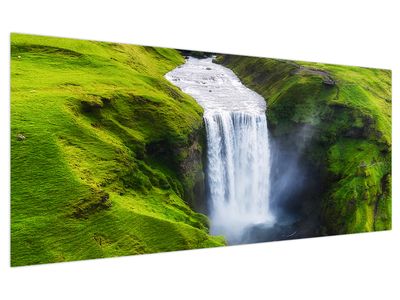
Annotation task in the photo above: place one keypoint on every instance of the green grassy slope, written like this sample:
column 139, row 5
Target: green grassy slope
column 349, row 109
column 92, row 176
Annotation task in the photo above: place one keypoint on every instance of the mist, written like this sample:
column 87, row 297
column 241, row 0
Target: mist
column 294, row 185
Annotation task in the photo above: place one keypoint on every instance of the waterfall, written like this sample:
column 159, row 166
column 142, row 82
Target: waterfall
column 238, row 154
column 237, row 171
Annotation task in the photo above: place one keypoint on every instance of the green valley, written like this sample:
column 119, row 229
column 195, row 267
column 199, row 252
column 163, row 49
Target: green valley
column 109, row 158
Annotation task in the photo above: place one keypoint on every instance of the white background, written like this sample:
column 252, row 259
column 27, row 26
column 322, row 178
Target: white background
column 362, row 266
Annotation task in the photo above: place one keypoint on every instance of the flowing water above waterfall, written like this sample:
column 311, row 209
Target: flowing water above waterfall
column 238, row 154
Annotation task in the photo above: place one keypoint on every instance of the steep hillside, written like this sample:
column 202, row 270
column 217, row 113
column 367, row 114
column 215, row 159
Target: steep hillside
column 105, row 154
column 342, row 116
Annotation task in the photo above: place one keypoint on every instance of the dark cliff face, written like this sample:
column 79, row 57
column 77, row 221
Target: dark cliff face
column 191, row 162
column 187, row 160
column 330, row 129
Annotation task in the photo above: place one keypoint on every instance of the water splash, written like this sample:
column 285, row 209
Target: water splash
column 238, row 154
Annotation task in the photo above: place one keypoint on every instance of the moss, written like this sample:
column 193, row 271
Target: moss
column 85, row 181
column 95, row 201
column 358, row 168
column 349, row 111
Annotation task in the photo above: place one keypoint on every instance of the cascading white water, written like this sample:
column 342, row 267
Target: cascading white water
column 238, row 155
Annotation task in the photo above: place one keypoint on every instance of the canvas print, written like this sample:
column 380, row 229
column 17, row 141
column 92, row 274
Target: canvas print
column 120, row 149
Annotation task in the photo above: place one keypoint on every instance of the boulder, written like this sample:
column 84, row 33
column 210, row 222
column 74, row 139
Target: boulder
column 20, row 137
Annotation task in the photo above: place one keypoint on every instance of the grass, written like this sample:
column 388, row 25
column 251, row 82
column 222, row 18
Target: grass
column 361, row 186
column 105, row 151
column 349, row 110
column 84, row 183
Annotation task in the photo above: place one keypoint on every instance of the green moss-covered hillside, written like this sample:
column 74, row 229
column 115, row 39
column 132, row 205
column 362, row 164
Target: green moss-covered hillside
column 105, row 151
column 349, row 112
